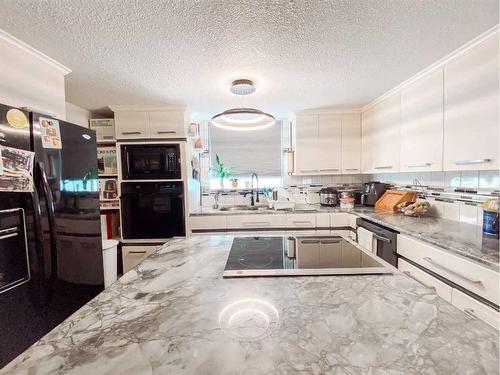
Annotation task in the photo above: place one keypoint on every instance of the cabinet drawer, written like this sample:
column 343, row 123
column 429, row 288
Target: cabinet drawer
column 207, row 222
column 442, row 290
column 301, row 220
column 323, row 220
column 475, row 308
column 133, row 255
column 470, row 275
column 339, row 220
column 256, row 221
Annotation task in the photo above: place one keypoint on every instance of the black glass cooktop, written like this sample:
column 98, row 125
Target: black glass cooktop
column 300, row 256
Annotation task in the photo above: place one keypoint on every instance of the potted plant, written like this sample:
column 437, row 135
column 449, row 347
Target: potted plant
column 221, row 171
column 234, row 182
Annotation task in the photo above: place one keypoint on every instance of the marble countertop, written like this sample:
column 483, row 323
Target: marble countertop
column 175, row 314
column 460, row 238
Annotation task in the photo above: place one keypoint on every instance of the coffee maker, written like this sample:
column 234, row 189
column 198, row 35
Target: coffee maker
column 372, row 191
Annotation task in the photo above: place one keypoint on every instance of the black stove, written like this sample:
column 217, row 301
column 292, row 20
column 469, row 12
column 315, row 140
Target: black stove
column 300, row 256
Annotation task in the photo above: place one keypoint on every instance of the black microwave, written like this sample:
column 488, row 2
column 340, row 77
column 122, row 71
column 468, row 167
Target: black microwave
column 152, row 161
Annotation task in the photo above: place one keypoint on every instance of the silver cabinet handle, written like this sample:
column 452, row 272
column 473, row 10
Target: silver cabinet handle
column 309, row 170
column 326, row 242
column 352, row 169
column 130, row 133
column 299, row 222
column 461, row 275
column 329, row 169
column 137, row 252
column 384, row 167
column 5, row 236
column 419, row 165
column 408, row 273
column 166, row 132
column 471, row 312
column 257, row 223
column 474, row 161
column 309, row 242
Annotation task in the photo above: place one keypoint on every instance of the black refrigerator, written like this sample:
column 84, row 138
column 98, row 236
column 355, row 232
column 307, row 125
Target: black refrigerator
column 50, row 232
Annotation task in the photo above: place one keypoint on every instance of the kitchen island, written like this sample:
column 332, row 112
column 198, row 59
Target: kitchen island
column 175, row 314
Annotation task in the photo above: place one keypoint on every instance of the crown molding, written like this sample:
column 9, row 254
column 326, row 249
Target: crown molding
column 146, row 108
column 326, row 110
column 33, row 52
column 437, row 65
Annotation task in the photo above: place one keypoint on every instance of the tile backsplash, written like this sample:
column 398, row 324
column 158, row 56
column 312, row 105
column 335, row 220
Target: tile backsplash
column 477, row 180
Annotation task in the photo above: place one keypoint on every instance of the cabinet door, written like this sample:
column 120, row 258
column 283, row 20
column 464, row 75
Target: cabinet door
column 422, row 124
column 475, row 308
column 386, row 139
column 329, row 148
column 307, row 253
column 471, row 109
column 351, row 143
column 330, row 253
column 368, row 125
column 167, row 124
column 132, row 125
column 306, row 145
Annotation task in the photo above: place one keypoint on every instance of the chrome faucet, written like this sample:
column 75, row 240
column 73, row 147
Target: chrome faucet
column 252, row 202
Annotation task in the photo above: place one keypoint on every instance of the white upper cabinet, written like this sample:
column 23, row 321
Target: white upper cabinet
column 167, row 124
column 132, row 125
column 148, row 124
column 381, row 136
column 319, row 147
column 471, row 109
column 351, row 143
column 422, row 124
column 329, row 149
column 306, row 144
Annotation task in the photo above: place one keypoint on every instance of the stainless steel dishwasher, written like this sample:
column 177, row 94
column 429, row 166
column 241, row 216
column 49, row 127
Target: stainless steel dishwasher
column 386, row 240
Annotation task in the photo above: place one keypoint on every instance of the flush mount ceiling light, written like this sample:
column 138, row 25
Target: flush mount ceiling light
column 243, row 119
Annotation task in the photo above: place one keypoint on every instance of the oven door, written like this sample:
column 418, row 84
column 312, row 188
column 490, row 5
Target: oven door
column 152, row 211
column 151, row 162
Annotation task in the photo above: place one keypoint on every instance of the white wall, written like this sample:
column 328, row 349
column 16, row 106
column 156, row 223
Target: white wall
column 77, row 115
column 30, row 79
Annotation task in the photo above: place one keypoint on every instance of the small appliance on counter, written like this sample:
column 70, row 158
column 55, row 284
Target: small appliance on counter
column 372, row 191
column 328, row 197
column 280, row 200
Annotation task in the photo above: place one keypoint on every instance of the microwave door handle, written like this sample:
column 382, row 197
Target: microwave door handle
column 50, row 213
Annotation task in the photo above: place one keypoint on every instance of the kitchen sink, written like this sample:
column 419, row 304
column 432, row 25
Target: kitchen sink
column 244, row 208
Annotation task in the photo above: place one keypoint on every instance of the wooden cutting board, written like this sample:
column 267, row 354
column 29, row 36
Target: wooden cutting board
column 391, row 198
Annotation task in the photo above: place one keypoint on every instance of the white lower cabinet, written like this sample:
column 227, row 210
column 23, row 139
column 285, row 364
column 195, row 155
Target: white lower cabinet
column 301, row 221
column 475, row 308
column 261, row 221
column 207, row 223
column 339, row 219
column 133, row 255
column 442, row 290
column 323, row 220
column 470, row 275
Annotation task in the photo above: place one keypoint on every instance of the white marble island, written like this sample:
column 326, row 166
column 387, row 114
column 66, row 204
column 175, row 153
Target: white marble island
column 175, row 314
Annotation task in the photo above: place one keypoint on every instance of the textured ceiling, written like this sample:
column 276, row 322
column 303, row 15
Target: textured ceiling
column 302, row 54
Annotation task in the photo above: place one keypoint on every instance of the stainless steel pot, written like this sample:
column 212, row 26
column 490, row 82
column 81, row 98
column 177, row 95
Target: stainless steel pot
column 328, row 197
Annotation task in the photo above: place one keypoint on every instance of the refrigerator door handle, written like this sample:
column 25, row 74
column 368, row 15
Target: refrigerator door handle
column 50, row 214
